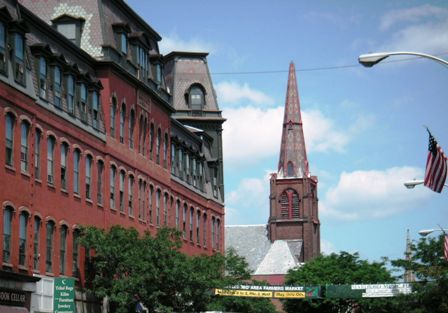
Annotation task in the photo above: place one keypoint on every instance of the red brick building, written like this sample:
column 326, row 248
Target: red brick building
column 97, row 129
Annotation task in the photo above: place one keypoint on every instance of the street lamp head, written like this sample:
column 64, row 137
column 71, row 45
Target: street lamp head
column 370, row 59
column 410, row 184
column 425, row 232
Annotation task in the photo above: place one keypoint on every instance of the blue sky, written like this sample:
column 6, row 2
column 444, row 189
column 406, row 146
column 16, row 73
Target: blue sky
column 363, row 127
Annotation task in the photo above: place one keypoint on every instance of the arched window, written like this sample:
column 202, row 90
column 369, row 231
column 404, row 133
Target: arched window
column 50, row 160
column 198, row 227
column 151, row 194
column 130, row 195
column 289, row 204
column 158, row 207
column 122, row 122
column 159, row 139
column 49, row 250
column 24, row 147
column 36, row 244
column 100, row 180
column 184, row 221
column 121, row 186
column 43, row 77
column 191, row 223
column 177, row 214
column 63, row 249
column 140, row 135
column 37, row 137
column 290, row 169
column 204, row 231
column 9, row 134
column 131, row 129
column 165, row 150
column 196, row 98
column 213, row 232
column 64, row 152
column 76, row 159
column 75, row 256
column 151, row 140
column 113, row 173
column 113, row 110
column 23, row 223
column 7, row 229
column 89, row 177
column 165, row 209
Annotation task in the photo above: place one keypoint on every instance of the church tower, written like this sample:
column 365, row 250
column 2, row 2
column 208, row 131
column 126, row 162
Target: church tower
column 293, row 191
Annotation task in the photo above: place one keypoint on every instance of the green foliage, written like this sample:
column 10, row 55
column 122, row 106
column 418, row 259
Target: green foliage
column 343, row 268
column 431, row 269
column 128, row 267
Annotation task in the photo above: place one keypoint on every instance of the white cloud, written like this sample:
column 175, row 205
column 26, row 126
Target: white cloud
column 372, row 194
column 327, row 247
column 174, row 43
column 234, row 93
column 423, row 29
column 252, row 133
column 414, row 14
column 251, row 199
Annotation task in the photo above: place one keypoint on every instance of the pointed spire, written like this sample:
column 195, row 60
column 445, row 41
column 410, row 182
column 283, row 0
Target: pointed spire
column 293, row 160
column 409, row 275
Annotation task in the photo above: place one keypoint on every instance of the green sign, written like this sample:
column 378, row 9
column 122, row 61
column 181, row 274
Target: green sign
column 64, row 295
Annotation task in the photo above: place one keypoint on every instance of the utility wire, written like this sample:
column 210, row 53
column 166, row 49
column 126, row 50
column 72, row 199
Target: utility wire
column 323, row 68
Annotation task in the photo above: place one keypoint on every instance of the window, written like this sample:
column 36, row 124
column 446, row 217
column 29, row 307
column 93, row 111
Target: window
column 131, row 129
column 75, row 256
column 49, row 250
column 204, row 231
column 196, row 98
column 63, row 249
column 36, row 244
column 71, row 30
column 187, row 167
column 122, row 122
column 123, row 43
column 2, row 48
column 7, row 228
column 159, row 139
column 95, row 109
column 83, row 102
column 113, row 173
column 42, row 78
column 64, row 153
column 165, row 209
column 289, row 204
column 140, row 201
column 180, row 162
column 76, row 158
column 151, row 140
column 193, row 171
column 151, row 193
column 177, row 213
column 145, row 132
column 57, row 86
column 50, row 160
column 100, row 182
column 290, row 169
column 142, row 61
column 24, row 147
column 184, row 221
column 158, row 207
column 191, row 223
column 23, row 223
column 121, row 186
column 19, row 58
column 213, row 232
column 70, row 93
column 173, row 159
column 130, row 195
column 113, row 109
column 37, row 137
column 198, row 227
column 165, row 150
column 218, row 234
column 158, row 73
column 215, row 182
column 88, row 177
column 9, row 146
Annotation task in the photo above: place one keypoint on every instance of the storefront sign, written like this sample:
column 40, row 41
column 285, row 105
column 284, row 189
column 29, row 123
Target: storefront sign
column 64, row 295
column 12, row 297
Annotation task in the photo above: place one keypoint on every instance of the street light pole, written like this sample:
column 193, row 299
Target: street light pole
column 410, row 184
column 370, row 59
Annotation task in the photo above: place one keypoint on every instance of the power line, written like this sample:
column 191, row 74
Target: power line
column 321, row 68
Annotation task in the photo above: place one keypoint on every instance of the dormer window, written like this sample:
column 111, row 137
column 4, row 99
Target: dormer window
column 124, row 43
column 57, row 86
column 19, row 58
column 2, row 48
column 121, row 31
column 70, row 27
column 43, row 77
column 196, row 98
column 83, row 102
column 95, row 109
column 70, row 93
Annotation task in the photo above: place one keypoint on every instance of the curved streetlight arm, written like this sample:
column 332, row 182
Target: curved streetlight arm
column 370, row 59
column 426, row 232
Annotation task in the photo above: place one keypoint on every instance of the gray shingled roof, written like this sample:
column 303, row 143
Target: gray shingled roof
column 263, row 257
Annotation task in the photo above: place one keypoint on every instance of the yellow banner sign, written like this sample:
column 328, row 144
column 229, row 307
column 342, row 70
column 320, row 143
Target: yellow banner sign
column 289, row 295
column 243, row 293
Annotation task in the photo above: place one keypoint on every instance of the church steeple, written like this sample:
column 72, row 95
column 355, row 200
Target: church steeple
column 293, row 161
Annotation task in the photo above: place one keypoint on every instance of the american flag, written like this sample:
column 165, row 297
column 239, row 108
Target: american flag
column 446, row 247
column 436, row 167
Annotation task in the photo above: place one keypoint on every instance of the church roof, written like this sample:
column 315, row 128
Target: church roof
column 293, row 161
column 263, row 257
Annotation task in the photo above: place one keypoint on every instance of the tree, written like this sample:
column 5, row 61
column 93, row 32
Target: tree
column 343, row 268
column 431, row 270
